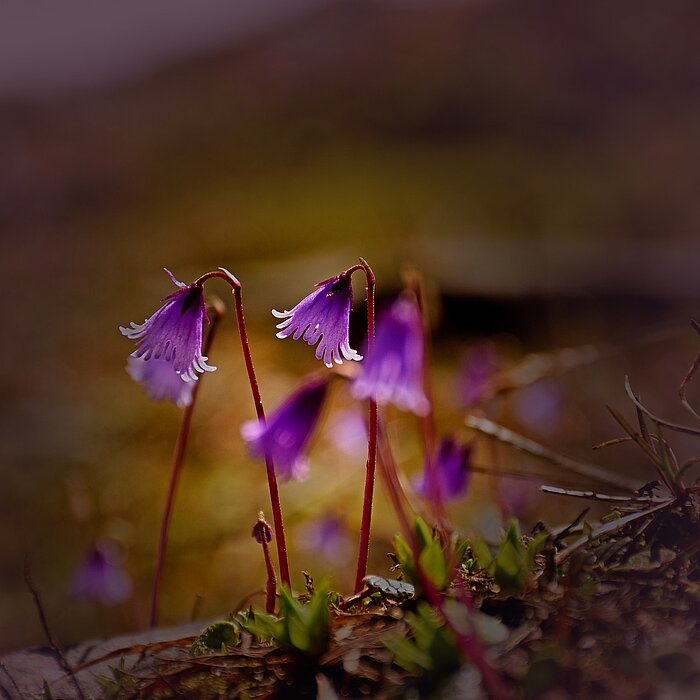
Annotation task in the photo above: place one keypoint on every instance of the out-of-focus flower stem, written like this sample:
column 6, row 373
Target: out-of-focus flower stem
column 217, row 311
column 363, row 552
column 260, row 412
column 271, row 586
column 414, row 283
column 469, row 644
column 269, row 464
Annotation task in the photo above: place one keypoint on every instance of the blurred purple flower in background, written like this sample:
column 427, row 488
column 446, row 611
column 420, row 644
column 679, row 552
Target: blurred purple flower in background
column 323, row 317
column 174, row 332
column 479, row 364
column 287, row 430
column 538, row 406
column 348, row 431
column 327, row 536
column 393, row 371
column 160, row 380
column 516, row 497
column 448, row 477
column 100, row 578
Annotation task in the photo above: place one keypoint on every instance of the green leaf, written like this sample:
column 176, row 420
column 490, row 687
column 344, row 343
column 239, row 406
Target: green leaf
column 302, row 627
column 459, row 547
column 260, row 624
column 431, row 649
column 482, row 553
column 404, row 556
column 407, row 654
column 534, row 547
column 513, row 534
column 424, row 533
column 433, row 562
column 509, row 567
column 318, row 618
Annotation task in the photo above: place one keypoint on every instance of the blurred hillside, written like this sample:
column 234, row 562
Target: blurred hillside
column 382, row 122
column 510, row 150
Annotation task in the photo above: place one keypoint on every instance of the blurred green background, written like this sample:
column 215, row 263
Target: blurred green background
column 537, row 162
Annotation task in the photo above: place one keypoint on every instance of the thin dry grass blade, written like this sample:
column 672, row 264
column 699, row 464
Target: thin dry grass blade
column 607, row 528
column 590, row 471
column 688, row 378
column 594, row 496
column 137, row 649
column 634, row 435
column 524, row 476
column 659, row 421
column 610, row 443
column 687, row 465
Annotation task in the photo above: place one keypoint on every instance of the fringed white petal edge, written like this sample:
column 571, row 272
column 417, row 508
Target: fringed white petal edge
column 134, row 330
column 282, row 314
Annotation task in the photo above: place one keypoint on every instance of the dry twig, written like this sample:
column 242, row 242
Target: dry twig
column 47, row 631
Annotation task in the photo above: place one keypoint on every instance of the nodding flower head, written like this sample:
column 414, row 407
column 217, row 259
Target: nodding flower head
column 323, row 317
column 160, row 380
column 448, row 476
column 287, row 430
column 392, row 372
column 174, row 332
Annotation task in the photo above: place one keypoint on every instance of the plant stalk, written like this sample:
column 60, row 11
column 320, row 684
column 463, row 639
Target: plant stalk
column 427, row 422
column 371, row 467
column 262, row 532
column 269, row 464
column 469, row 644
column 280, row 539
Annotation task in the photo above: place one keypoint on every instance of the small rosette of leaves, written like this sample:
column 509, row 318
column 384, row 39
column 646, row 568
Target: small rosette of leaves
column 434, row 558
column 511, row 566
column 218, row 637
column 430, row 648
column 302, row 628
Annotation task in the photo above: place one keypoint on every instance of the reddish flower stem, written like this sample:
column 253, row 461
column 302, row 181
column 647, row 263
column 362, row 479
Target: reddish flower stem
column 365, row 527
column 470, row 645
column 176, row 468
column 427, row 422
column 269, row 464
column 280, row 539
column 271, row 586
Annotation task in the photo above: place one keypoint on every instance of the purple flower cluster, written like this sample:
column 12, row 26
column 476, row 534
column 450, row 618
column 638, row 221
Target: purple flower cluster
column 393, row 371
column 172, row 335
column 168, row 360
column 323, row 317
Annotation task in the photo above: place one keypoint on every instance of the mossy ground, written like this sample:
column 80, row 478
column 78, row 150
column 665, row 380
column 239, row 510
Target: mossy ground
column 609, row 616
